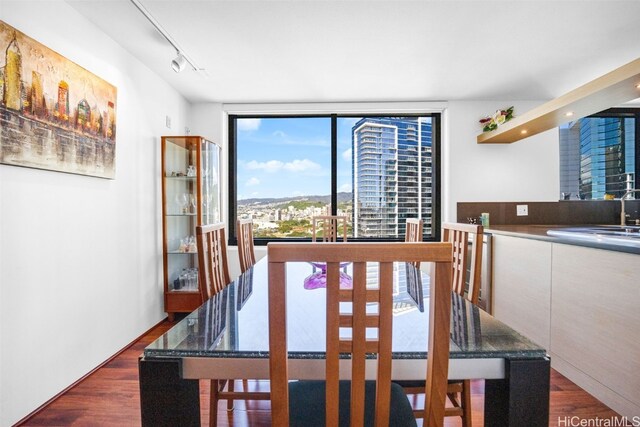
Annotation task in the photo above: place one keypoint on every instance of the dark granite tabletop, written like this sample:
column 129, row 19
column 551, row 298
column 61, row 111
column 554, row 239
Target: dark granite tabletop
column 234, row 324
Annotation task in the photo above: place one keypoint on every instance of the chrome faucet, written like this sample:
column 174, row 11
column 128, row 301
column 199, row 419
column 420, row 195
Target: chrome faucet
column 623, row 215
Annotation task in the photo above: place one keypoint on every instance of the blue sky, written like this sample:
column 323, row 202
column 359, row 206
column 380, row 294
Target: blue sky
column 282, row 157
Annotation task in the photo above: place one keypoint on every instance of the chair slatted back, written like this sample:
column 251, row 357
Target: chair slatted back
column 414, row 230
column 358, row 320
column 245, row 244
column 413, row 233
column 458, row 234
column 330, row 226
column 213, row 271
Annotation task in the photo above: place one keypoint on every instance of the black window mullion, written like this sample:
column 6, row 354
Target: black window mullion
column 636, row 176
column 334, row 164
column 233, row 182
column 435, row 165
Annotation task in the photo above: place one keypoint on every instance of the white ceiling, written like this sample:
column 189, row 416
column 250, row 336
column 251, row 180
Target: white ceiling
column 325, row 51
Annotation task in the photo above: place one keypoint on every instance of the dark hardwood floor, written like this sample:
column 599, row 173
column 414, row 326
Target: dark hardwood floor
column 110, row 397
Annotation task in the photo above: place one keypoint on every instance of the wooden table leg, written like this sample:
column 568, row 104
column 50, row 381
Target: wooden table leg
column 522, row 397
column 165, row 398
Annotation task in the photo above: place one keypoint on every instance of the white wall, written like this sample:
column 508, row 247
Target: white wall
column 527, row 170
column 80, row 257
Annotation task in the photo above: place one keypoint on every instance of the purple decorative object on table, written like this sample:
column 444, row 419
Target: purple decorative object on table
column 319, row 279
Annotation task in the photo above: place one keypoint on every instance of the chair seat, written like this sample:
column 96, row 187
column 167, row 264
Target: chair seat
column 307, row 404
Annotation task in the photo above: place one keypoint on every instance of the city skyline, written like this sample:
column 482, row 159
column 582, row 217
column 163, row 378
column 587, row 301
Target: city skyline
column 54, row 114
column 51, row 68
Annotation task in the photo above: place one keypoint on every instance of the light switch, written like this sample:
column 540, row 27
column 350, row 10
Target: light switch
column 522, row 210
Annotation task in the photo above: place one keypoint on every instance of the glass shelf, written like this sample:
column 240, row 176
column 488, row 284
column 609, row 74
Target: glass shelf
column 181, row 253
column 189, row 214
column 181, row 178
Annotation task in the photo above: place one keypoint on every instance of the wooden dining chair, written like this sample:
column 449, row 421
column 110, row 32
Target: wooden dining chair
column 413, row 233
column 459, row 392
column 463, row 266
column 329, row 226
column 213, row 270
column 213, row 275
column 245, row 244
column 358, row 401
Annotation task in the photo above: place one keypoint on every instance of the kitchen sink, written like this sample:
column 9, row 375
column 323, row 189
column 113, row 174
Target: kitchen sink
column 607, row 234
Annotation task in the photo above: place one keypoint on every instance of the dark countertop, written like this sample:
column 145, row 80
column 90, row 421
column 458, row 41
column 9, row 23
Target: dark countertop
column 539, row 232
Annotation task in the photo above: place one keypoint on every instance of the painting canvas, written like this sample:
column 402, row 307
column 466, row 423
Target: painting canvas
column 54, row 114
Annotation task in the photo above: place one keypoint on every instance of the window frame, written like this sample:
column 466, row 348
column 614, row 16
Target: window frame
column 232, row 169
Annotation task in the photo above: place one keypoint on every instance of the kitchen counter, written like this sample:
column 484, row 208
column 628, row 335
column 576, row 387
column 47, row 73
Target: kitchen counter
column 575, row 298
column 539, row 232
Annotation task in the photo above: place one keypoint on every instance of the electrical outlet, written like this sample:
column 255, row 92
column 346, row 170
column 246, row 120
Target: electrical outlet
column 522, row 210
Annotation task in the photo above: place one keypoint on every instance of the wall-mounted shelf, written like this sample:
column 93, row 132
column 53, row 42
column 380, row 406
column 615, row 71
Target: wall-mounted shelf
column 619, row 86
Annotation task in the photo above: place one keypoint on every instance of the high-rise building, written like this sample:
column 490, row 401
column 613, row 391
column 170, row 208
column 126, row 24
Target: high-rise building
column 83, row 116
column 570, row 159
column 63, row 101
column 392, row 175
column 1, row 81
column 607, row 156
column 12, row 87
column 37, row 98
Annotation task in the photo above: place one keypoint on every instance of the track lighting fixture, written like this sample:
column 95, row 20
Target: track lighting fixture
column 179, row 63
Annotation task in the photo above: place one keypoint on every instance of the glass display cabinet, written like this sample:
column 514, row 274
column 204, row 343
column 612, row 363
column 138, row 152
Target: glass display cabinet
column 190, row 197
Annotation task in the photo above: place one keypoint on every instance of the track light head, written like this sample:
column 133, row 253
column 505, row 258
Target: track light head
column 179, row 63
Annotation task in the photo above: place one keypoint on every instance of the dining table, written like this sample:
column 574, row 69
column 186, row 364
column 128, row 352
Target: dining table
column 227, row 337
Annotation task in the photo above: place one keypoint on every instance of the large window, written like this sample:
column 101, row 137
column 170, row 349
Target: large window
column 376, row 170
column 599, row 155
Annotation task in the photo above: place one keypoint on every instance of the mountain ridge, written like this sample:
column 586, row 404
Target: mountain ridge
column 342, row 197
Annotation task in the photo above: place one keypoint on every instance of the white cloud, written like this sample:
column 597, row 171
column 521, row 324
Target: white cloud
column 248, row 124
column 304, row 165
column 297, row 193
column 252, row 181
column 344, row 188
column 346, row 154
column 279, row 134
column 269, row 166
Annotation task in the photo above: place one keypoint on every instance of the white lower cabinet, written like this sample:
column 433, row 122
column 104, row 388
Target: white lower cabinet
column 595, row 323
column 583, row 305
column 522, row 286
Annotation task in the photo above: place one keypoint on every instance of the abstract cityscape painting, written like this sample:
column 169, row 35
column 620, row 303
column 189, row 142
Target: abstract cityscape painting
column 54, row 114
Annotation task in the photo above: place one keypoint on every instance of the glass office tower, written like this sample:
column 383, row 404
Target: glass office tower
column 392, row 175
column 606, row 147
